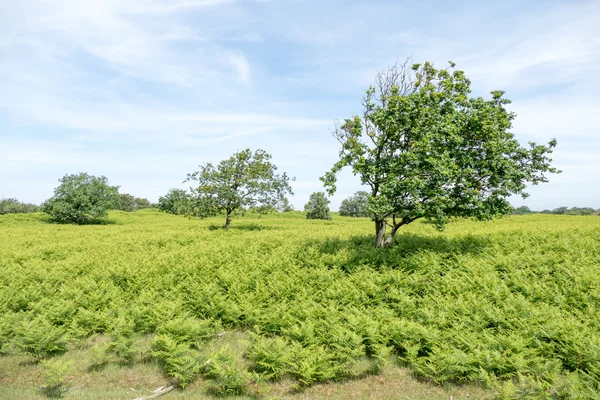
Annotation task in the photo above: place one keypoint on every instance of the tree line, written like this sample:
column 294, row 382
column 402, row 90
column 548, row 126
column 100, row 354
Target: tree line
column 564, row 210
column 423, row 145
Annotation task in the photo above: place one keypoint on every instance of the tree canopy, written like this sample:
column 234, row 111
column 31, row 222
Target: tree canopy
column 427, row 148
column 14, row 206
column 317, row 206
column 176, row 201
column 81, row 198
column 245, row 180
column 355, row 206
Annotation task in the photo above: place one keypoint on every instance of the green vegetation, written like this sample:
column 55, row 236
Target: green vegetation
column 81, row 198
column 317, row 206
column 510, row 305
column 244, row 181
column 427, row 149
column 127, row 202
column 355, row 206
column 176, row 201
column 14, row 206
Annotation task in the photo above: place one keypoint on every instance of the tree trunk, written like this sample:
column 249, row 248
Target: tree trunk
column 379, row 233
column 389, row 240
column 227, row 221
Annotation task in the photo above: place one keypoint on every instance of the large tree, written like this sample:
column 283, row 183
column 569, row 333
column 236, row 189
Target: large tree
column 81, row 198
column 427, row 148
column 245, row 180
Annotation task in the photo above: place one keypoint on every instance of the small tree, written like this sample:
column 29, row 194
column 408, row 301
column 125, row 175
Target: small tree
column 428, row 149
column 355, row 206
column 176, row 201
column 317, row 206
column 81, row 198
column 245, row 180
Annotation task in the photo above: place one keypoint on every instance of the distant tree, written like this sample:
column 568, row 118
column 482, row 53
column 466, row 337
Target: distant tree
column 125, row 202
column 245, row 180
column 560, row 210
column 286, row 206
column 141, row 202
column 580, row 211
column 355, row 206
column 317, row 206
column 128, row 203
column 14, row 206
column 176, row 201
column 522, row 210
column 81, row 198
column 426, row 148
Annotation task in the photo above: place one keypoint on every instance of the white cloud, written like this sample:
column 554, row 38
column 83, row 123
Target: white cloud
column 241, row 66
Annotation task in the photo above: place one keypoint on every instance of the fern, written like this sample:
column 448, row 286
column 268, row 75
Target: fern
column 177, row 359
column 40, row 339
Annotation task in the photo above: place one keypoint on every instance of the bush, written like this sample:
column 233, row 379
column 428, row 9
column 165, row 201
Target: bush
column 80, row 199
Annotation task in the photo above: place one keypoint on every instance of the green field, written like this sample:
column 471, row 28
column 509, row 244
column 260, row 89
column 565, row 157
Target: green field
column 278, row 304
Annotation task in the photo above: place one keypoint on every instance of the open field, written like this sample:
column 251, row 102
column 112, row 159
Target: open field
column 502, row 309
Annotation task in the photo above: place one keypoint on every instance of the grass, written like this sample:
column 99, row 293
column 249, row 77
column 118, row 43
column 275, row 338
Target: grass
column 503, row 309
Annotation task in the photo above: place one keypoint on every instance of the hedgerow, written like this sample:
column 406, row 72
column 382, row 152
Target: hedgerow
column 512, row 304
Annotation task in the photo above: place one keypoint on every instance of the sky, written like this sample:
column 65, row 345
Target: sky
column 144, row 91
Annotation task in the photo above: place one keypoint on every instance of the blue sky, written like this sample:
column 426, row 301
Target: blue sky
column 145, row 91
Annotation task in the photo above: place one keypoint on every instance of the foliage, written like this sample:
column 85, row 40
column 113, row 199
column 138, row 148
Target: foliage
column 56, row 376
column 355, row 206
column 226, row 375
column 428, row 149
column 245, row 180
column 81, row 198
column 188, row 330
column 128, row 203
column 176, row 201
column 141, row 203
column 270, row 356
column 178, row 359
column 286, row 206
column 510, row 304
column 317, row 206
column 522, row 210
column 39, row 339
column 14, row 206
